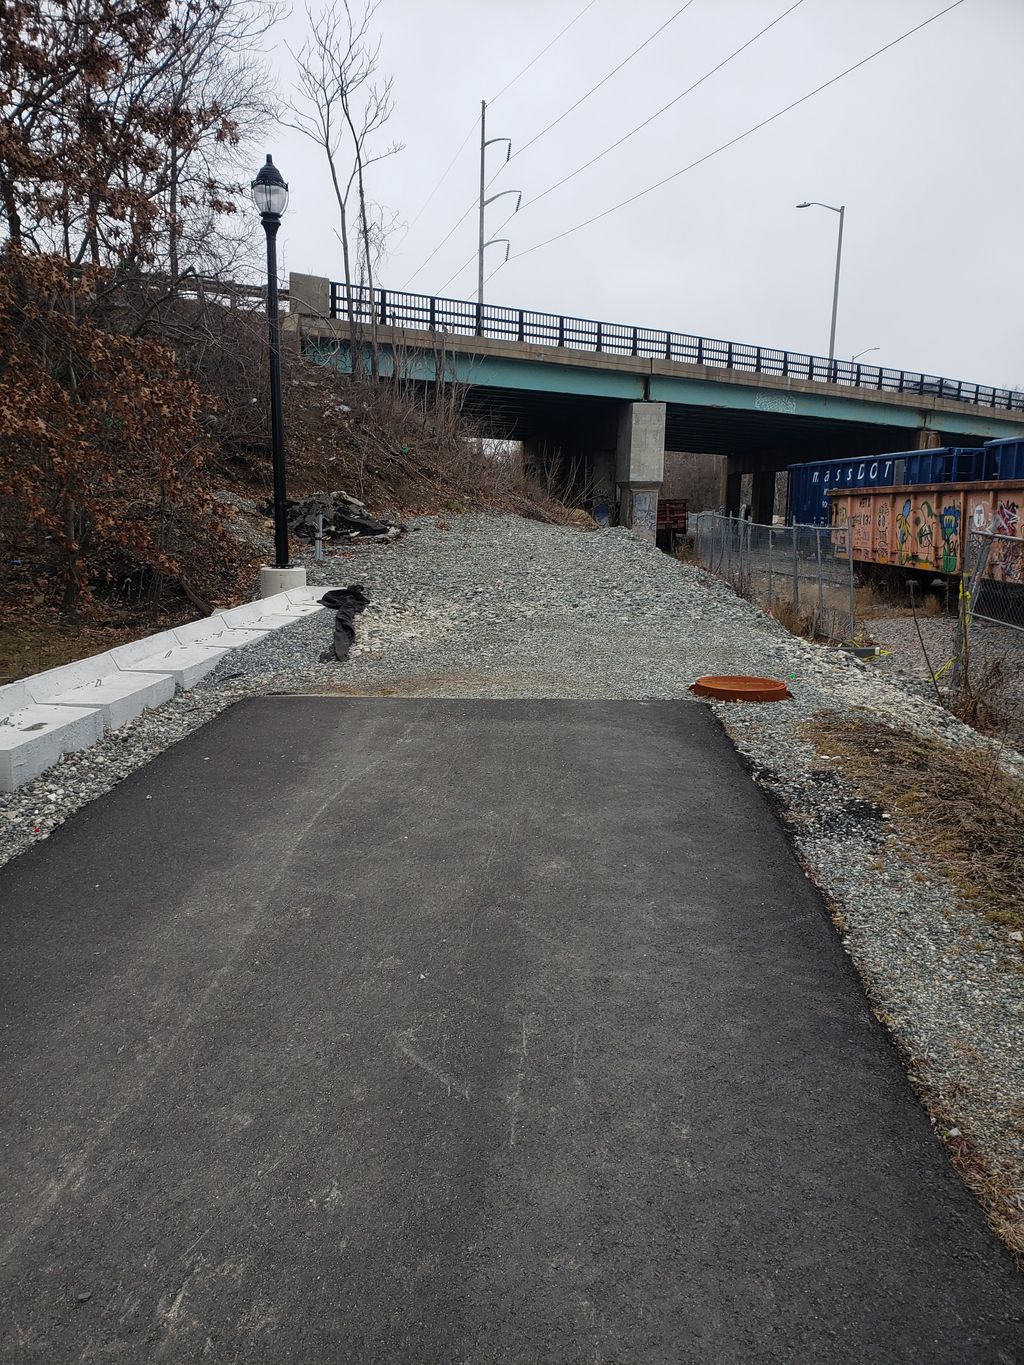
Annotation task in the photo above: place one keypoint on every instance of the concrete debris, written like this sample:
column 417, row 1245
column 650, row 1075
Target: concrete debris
column 344, row 518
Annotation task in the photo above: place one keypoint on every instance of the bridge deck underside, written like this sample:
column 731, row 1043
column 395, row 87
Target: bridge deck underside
column 785, row 438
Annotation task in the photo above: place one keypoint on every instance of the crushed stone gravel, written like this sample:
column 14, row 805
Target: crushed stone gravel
column 477, row 606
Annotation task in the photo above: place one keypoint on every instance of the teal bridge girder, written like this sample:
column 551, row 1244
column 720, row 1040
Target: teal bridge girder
column 527, row 373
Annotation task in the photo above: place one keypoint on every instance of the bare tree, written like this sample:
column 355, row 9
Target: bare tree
column 217, row 72
column 340, row 104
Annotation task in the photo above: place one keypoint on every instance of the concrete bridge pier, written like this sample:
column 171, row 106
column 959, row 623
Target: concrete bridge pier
column 640, row 465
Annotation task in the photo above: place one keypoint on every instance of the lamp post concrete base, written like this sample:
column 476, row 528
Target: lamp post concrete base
column 273, row 581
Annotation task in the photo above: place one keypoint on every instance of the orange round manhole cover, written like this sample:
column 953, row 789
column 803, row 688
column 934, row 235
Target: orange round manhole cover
column 736, row 687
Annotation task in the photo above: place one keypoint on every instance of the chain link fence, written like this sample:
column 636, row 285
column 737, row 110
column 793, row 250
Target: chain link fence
column 801, row 574
column 988, row 676
column 995, row 577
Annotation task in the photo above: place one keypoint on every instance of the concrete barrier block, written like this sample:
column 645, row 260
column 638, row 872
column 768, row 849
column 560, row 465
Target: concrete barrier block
column 14, row 697
column 276, row 622
column 211, row 630
column 243, row 635
column 298, row 609
column 120, row 696
column 43, row 687
column 33, row 738
column 247, row 615
column 125, row 656
column 185, row 663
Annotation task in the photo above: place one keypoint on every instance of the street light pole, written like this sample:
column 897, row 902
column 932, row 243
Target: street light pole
column 270, row 195
column 835, row 288
column 841, row 210
column 271, row 226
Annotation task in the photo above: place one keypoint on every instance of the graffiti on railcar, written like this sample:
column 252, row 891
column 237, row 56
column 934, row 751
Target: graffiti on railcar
column 903, row 534
column 882, row 532
column 861, row 518
column 1007, row 519
column 949, row 527
column 924, row 533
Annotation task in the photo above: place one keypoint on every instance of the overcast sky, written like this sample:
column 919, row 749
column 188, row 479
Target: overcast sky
column 922, row 145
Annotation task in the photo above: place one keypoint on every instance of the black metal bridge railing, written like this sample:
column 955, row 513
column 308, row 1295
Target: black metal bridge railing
column 429, row 313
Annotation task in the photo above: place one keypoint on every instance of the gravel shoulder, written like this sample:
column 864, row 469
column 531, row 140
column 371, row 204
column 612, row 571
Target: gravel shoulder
column 500, row 607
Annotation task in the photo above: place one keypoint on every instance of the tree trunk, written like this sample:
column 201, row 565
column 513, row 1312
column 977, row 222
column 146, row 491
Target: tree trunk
column 347, row 261
column 364, row 224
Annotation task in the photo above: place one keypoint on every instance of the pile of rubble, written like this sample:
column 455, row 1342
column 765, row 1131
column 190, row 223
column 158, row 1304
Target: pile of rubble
column 344, row 518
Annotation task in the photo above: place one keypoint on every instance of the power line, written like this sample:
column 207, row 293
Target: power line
column 536, row 138
column 466, row 264
column 604, row 79
column 664, row 108
column 444, row 175
column 541, row 53
column 508, row 86
column 420, row 268
column 626, row 136
column 740, row 136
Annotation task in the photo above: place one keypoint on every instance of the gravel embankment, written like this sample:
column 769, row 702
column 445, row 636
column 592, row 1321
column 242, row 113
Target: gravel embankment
column 499, row 607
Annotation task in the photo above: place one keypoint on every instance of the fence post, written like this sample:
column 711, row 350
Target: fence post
column 796, row 574
column 819, row 606
column 771, row 580
column 853, row 585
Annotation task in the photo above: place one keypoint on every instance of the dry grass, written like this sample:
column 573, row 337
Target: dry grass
column 961, row 813
column 878, row 599
column 796, row 622
column 964, row 819
column 993, row 1183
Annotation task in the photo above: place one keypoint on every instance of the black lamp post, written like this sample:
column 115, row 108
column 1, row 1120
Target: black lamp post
column 270, row 195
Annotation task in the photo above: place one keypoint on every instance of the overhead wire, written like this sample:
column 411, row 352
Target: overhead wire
column 564, row 114
column 665, row 107
column 444, row 174
column 507, row 86
column 561, row 33
column 740, row 136
column 603, row 81
column 639, row 127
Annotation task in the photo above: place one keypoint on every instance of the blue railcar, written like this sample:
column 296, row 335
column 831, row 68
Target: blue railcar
column 1005, row 459
column 810, row 484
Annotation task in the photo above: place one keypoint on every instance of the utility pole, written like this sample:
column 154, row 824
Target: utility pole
column 483, row 205
column 486, row 142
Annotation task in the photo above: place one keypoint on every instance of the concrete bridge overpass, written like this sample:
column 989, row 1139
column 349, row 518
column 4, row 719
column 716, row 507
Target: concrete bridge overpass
column 617, row 396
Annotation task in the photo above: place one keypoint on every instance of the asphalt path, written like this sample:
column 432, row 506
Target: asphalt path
column 420, row 1030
